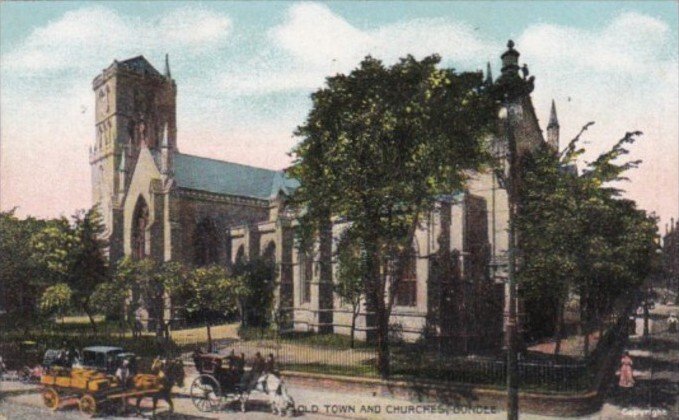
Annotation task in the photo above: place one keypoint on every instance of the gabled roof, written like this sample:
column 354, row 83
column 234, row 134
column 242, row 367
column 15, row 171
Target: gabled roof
column 228, row 178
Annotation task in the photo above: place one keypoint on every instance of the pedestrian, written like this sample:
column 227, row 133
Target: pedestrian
column 672, row 323
column 626, row 374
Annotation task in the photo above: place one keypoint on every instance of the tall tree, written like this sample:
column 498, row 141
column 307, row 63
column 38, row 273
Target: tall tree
column 211, row 289
column 378, row 147
column 579, row 237
column 23, row 278
column 254, row 282
column 155, row 286
column 75, row 255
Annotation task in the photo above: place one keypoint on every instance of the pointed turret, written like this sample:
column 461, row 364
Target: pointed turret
column 167, row 66
column 553, row 129
column 489, row 75
column 165, row 153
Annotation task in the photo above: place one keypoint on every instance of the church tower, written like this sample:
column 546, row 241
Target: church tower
column 135, row 107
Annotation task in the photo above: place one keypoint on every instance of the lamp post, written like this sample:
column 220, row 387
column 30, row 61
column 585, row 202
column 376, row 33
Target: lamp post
column 512, row 321
column 510, row 88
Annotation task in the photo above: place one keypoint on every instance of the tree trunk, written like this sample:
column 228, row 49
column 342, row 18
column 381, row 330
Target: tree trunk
column 383, row 343
column 559, row 326
column 209, row 336
column 354, row 315
column 92, row 322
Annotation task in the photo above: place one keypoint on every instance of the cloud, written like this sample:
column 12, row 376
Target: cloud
column 243, row 107
column 625, row 76
column 88, row 36
column 316, row 42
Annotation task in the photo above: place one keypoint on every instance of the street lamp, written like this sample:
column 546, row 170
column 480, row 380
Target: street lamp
column 508, row 177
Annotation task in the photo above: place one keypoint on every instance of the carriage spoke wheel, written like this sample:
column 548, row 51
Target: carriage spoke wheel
column 51, row 398
column 88, row 405
column 206, row 394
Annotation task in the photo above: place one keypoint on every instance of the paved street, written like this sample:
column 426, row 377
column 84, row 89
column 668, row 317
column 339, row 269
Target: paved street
column 655, row 395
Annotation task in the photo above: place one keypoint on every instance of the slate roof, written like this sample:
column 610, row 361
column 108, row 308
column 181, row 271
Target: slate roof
column 228, row 178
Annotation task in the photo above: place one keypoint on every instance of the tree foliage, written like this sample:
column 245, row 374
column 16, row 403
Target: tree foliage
column 56, row 299
column 154, row 286
column 378, row 148
column 74, row 254
column 22, row 277
column 578, row 237
column 211, row 289
column 255, row 290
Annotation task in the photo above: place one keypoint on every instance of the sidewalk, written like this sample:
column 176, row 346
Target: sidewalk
column 656, row 371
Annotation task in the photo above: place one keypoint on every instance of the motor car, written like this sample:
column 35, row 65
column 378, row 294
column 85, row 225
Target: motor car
column 107, row 359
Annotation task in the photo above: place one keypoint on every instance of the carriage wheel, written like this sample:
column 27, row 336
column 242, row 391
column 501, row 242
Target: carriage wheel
column 51, row 398
column 88, row 405
column 206, row 394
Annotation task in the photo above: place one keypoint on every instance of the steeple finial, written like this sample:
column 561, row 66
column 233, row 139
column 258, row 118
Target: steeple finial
column 489, row 74
column 167, row 66
column 553, row 120
column 510, row 60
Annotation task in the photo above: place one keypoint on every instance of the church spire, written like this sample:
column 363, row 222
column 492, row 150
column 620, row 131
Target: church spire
column 489, row 74
column 553, row 121
column 167, row 66
column 553, row 129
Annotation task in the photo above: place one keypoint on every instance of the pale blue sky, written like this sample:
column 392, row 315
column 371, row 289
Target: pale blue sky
column 245, row 70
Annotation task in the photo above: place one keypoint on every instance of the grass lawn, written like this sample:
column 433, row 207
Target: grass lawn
column 198, row 335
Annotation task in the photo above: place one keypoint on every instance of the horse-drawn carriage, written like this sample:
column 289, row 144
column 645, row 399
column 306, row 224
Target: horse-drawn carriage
column 95, row 389
column 224, row 380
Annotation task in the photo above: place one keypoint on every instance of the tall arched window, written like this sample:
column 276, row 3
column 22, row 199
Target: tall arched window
column 140, row 222
column 406, row 292
column 240, row 256
column 206, row 242
column 269, row 253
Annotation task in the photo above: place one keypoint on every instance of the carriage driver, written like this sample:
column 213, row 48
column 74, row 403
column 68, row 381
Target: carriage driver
column 270, row 364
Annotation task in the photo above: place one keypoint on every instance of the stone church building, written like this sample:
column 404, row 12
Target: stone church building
column 160, row 203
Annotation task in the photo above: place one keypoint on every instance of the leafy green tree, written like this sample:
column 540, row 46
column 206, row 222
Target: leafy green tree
column 56, row 299
column 211, row 289
column 350, row 273
column 75, row 255
column 23, row 279
column 378, row 147
column 579, row 237
column 156, row 286
column 254, row 288
column 109, row 299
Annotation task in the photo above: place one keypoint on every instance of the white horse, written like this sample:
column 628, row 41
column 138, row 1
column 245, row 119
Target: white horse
column 274, row 388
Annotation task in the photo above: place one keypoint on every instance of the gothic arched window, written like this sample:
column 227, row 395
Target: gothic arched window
column 240, row 256
column 140, row 221
column 269, row 253
column 206, row 242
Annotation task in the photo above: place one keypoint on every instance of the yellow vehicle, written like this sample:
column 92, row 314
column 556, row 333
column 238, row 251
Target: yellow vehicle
column 93, row 389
